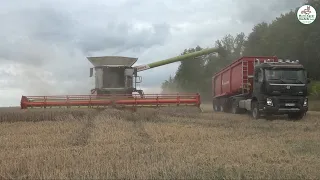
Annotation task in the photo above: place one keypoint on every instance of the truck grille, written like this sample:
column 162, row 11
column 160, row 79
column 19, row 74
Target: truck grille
column 283, row 102
column 289, row 100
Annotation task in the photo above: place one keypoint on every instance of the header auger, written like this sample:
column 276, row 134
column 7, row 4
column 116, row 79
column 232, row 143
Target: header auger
column 115, row 84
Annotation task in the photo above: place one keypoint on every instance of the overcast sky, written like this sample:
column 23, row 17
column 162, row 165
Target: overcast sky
column 44, row 44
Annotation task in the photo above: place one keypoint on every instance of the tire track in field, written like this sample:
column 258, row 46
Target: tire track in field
column 141, row 132
column 82, row 136
column 138, row 119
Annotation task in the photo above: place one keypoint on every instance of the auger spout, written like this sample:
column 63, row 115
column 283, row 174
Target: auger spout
column 177, row 58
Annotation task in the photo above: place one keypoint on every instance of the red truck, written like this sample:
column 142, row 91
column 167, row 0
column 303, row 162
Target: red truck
column 263, row 86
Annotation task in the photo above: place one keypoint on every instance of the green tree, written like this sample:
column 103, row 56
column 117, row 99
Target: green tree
column 169, row 86
column 285, row 37
column 256, row 44
column 189, row 72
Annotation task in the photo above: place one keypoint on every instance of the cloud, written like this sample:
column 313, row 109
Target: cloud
column 44, row 44
column 256, row 11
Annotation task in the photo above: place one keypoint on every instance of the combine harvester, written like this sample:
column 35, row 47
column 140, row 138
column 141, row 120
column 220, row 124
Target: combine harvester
column 115, row 84
column 264, row 86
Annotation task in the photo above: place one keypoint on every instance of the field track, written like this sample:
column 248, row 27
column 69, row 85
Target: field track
column 170, row 143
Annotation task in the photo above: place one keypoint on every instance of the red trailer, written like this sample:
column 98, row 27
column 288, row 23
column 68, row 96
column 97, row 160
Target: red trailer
column 262, row 85
column 236, row 78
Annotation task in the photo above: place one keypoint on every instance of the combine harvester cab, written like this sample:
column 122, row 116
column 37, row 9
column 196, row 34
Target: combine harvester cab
column 115, row 84
column 264, row 86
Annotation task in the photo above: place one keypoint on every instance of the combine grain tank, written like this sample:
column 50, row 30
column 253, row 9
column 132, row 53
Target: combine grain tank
column 263, row 86
column 114, row 75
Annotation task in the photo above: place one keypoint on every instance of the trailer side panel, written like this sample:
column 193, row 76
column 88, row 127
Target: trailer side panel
column 237, row 76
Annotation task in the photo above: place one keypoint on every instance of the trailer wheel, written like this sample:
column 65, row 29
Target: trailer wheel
column 222, row 108
column 215, row 106
column 255, row 110
column 234, row 108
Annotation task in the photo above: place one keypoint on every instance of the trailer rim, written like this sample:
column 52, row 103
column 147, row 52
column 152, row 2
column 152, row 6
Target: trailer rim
column 234, row 110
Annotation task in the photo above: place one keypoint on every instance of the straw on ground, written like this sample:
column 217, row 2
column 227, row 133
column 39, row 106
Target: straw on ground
column 158, row 144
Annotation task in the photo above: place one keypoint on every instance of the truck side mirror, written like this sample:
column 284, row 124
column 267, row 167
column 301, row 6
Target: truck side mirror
column 91, row 72
column 135, row 71
column 256, row 77
column 308, row 81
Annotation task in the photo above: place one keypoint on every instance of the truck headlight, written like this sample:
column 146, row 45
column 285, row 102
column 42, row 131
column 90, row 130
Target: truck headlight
column 269, row 102
column 305, row 103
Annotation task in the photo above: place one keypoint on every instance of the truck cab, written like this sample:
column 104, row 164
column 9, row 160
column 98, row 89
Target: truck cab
column 280, row 88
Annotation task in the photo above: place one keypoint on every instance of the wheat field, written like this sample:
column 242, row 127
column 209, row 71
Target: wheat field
column 169, row 143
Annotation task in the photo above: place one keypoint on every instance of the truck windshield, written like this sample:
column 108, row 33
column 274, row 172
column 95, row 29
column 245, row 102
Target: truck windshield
column 292, row 75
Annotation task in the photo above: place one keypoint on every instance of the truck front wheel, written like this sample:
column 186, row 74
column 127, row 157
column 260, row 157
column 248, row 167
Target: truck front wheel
column 296, row 116
column 255, row 110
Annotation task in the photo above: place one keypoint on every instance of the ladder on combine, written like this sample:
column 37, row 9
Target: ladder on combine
column 245, row 77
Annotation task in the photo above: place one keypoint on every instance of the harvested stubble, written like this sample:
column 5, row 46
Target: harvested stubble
column 35, row 115
column 56, row 114
column 161, row 144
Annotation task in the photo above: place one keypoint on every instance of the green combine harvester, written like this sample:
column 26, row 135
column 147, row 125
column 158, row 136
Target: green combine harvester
column 116, row 82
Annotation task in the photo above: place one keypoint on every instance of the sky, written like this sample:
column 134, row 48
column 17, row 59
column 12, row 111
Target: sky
column 44, row 44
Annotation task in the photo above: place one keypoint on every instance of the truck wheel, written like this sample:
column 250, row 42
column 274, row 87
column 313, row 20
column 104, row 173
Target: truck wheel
column 296, row 116
column 255, row 110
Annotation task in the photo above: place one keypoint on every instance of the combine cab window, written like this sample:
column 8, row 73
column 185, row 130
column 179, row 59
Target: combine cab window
column 287, row 75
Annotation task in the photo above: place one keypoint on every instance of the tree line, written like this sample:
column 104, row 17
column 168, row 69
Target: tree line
column 285, row 37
